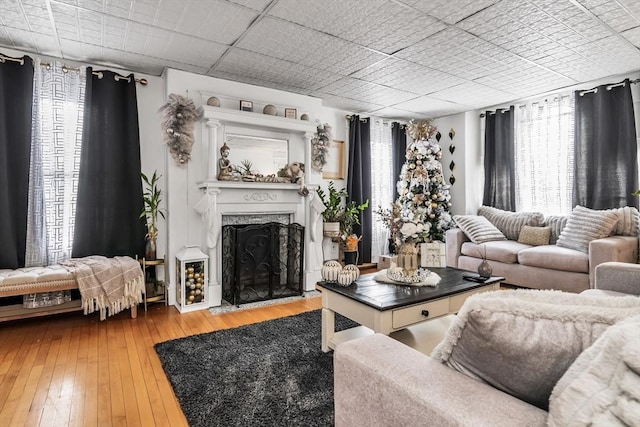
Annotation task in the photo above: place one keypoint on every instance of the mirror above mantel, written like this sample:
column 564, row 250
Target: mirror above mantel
column 266, row 155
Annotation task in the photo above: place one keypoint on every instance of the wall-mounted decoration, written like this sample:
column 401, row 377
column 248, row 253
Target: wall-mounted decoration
column 179, row 116
column 246, row 106
column 334, row 169
column 320, row 147
column 290, row 113
column 438, row 136
column 452, row 148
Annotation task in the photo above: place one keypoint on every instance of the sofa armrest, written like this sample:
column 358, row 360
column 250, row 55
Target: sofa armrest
column 614, row 248
column 619, row 277
column 454, row 238
column 380, row 381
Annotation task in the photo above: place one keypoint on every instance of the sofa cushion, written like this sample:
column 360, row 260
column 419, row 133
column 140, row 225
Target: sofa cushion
column 585, row 225
column 556, row 223
column 510, row 223
column 523, row 341
column 534, row 236
column 555, row 258
column 503, row 251
column 602, row 387
column 478, row 229
column 628, row 221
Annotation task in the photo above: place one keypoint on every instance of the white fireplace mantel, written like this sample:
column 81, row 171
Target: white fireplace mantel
column 237, row 198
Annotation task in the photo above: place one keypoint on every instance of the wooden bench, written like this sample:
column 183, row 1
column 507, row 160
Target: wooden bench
column 31, row 280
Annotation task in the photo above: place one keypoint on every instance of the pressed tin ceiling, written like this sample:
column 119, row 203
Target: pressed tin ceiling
column 388, row 58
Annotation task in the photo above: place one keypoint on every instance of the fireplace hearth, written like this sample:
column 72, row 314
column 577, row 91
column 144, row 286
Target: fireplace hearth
column 262, row 261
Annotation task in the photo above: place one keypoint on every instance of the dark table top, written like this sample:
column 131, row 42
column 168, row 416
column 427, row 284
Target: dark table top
column 384, row 296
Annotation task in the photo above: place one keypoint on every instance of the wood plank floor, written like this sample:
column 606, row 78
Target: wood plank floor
column 73, row 370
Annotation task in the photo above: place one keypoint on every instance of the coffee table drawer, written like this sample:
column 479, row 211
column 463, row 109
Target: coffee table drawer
column 403, row 317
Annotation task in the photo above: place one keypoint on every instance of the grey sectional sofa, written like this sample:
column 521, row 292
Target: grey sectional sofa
column 540, row 267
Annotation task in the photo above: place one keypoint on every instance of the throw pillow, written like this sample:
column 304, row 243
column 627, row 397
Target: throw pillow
column 478, row 228
column 557, row 223
column 602, row 387
column 628, row 221
column 534, row 236
column 585, row 225
column 510, row 223
column 523, row 341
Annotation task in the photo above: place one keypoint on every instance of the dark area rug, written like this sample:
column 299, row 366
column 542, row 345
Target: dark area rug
column 271, row 373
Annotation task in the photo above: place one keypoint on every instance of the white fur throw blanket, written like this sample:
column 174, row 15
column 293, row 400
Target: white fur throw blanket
column 107, row 283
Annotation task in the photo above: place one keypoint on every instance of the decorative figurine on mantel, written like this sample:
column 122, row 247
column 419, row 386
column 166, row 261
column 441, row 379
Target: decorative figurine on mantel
column 225, row 169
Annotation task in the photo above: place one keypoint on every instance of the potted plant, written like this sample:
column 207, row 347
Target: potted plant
column 152, row 197
column 339, row 217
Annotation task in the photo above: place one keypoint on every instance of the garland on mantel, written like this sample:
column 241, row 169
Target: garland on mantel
column 320, row 147
column 179, row 116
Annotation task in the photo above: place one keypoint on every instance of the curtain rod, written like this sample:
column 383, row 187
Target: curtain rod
column 609, row 87
column 8, row 58
column 66, row 69
column 349, row 117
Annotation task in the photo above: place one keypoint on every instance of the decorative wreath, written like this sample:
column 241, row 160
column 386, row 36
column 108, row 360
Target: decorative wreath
column 320, row 147
column 179, row 116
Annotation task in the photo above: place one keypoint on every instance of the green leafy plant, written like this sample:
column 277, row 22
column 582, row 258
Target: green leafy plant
column 152, row 197
column 244, row 168
column 337, row 210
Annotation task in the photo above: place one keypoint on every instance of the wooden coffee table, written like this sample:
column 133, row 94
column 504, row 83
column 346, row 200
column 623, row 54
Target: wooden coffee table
column 395, row 309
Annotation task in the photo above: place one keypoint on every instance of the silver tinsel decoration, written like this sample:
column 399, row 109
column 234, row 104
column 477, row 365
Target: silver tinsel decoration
column 179, row 116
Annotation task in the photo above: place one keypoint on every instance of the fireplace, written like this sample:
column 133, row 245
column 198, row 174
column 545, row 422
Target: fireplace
column 262, row 261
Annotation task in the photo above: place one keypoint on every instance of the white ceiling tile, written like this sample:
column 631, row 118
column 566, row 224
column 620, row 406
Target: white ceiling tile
column 407, row 76
column 294, row 43
column 382, row 25
column 450, row 11
column 368, row 92
column 343, row 103
column 272, row 71
column 220, row 21
column 425, row 105
column 258, row 5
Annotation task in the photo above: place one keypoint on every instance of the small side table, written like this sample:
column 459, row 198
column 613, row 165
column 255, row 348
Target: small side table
column 155, row 290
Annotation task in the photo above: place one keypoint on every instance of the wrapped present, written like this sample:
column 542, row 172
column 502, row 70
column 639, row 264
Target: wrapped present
column 433, row 255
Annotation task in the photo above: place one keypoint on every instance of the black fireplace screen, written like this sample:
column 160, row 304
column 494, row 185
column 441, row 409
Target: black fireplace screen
column 262, row 262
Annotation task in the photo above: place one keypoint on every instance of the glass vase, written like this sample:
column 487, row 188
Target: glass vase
column 150, row 250
column 485, row 269
column 408, row 258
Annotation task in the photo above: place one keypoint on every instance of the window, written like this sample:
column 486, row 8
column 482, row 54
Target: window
column 544, row 155
column 381, row 183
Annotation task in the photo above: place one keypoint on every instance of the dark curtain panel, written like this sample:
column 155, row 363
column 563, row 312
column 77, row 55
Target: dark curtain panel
column 16, row 100
column 359, row 180
column 109, row 188
column 398, row 152
column 605, row 159
column 499, row 165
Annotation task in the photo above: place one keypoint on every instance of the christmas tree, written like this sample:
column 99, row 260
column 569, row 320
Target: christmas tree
column 423, row 196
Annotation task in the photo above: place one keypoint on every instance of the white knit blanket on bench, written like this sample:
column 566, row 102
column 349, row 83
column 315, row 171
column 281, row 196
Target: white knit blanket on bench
column 107, row 284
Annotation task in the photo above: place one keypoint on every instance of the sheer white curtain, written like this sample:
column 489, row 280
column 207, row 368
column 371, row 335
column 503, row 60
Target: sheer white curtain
column 544, row 155
column 382, row 183
column 58, row 110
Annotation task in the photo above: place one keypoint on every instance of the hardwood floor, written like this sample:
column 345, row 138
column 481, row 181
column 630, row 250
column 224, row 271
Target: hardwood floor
column 73, row 370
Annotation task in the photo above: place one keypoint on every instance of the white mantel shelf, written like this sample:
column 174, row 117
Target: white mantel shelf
column 211, row 183
column 249, row 118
